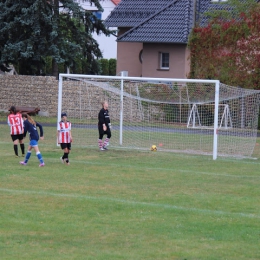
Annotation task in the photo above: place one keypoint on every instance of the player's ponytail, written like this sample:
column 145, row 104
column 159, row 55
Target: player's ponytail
column 29, row 119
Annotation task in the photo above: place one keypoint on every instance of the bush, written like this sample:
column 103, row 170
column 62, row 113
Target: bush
column 104, row 67
column 228, row 50
column 112, row 67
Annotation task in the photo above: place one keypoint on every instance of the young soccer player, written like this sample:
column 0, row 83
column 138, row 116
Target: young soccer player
column 64, row 137
column 104, row 126
column 15, row 122
column 30, row 126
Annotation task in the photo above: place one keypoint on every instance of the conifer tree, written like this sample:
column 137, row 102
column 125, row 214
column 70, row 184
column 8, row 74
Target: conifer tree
column 32, row 30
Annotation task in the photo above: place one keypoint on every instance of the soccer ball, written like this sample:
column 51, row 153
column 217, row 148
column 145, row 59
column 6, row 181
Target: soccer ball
column 154, row 148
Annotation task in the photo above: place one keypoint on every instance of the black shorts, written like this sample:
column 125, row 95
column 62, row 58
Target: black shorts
column 102, row 132
column 65, row 145
column 15, row 137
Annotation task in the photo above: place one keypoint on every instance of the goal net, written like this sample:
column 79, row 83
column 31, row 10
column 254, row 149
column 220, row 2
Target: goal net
column 181, row 115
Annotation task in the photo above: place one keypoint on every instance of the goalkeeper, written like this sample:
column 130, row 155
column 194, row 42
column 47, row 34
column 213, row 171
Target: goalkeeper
column 104, row 126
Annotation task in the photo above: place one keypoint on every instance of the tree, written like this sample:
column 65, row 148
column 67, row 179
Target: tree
column 228, row 49
column 232, row 10
column 32, row 30
column 25, row 27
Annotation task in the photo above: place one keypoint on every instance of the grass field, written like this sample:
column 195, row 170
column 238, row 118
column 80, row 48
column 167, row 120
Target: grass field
column 131, row 205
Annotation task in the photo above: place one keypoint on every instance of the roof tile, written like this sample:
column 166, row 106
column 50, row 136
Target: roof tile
column 172, row 24
column 168, row 21
column 130, row 13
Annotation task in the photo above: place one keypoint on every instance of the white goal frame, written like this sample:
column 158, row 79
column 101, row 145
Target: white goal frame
column 162, row 80
column 225, row 122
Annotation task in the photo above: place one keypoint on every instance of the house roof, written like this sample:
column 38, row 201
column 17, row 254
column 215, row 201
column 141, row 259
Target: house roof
column 116, row 2
column 162, row 26
column 130, row 13
column 161, row 21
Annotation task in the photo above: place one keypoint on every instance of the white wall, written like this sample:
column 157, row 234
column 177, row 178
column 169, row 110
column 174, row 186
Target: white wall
column 107, row 45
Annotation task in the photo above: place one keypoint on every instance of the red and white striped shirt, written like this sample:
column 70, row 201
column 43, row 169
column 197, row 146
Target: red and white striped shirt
column 15, row 121
column 64, row 129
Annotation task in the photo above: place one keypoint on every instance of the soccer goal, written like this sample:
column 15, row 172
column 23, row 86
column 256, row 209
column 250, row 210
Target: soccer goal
column 180, row 115
column 195, row 121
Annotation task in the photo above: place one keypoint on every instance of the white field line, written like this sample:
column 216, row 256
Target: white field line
column 253, row 161
column 129, row 202
column 223, row 174
column 159, row 169
column 246, row 160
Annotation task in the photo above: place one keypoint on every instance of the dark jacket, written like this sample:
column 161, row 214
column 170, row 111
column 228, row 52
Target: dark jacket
column 32, row 130
column 103, row 117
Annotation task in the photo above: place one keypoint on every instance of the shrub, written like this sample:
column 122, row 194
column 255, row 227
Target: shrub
column 228, row 50
column 112, row 67
column 104, row 66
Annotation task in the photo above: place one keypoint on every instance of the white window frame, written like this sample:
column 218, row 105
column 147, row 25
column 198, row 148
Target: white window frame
column 162, row 60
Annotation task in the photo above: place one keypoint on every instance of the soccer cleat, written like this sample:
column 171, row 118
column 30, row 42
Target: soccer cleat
column 62, row 161
column 105, row 148
column 41, row 164
column 16, row 156
column 66, row 161
column 102, row 149
column 23, row 154
column 23, row 163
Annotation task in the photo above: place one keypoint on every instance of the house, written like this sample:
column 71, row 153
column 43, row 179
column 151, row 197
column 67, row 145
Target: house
column 107, row 45
column 153, row 35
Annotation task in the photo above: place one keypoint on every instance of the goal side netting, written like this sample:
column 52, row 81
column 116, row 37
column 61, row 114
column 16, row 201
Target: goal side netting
column 190, row 116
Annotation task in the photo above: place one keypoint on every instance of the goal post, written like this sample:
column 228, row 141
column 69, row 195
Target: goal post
column 215, row 139
column 156, row 111
column 194, row 120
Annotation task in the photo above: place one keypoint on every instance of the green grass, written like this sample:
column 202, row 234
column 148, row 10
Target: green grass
column 132, row 205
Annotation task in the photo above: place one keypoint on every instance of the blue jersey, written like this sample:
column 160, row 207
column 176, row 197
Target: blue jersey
column 32, row 130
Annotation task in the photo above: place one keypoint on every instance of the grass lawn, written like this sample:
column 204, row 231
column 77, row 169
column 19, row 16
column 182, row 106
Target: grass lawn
column 127, row 204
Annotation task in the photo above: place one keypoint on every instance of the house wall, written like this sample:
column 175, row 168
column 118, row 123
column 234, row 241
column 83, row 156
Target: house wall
column 128, row 56
column 178, row 65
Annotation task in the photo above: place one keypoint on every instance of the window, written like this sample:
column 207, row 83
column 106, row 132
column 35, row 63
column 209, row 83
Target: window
column 164, row 59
